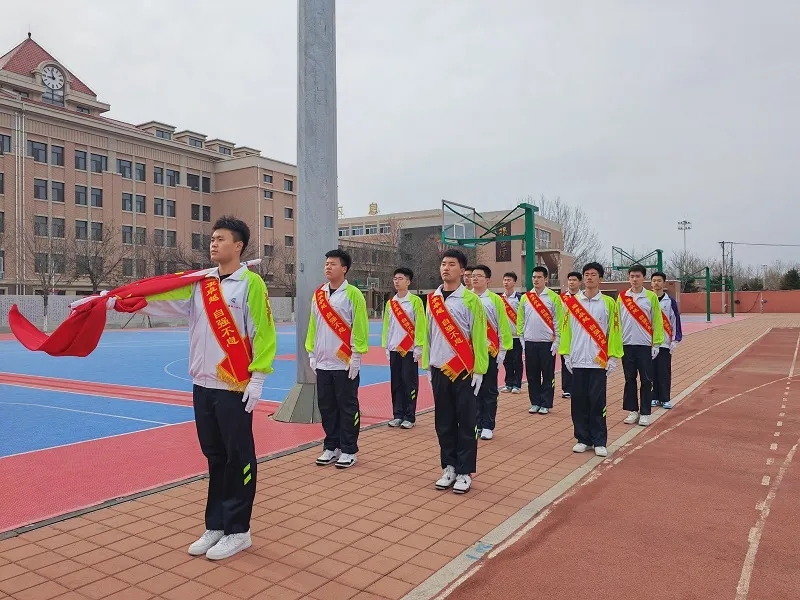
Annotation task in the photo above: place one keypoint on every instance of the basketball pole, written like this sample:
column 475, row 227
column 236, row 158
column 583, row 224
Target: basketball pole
column 317, row 202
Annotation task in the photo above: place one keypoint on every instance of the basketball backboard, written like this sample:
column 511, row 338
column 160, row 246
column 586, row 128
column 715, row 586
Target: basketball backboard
column 459, row 222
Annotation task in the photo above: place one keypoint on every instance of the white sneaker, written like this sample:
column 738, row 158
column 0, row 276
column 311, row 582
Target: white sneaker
column 644, row 420
column 395, row 423
column 463, row 483
column 544, row 411
column 229, row 545
column 505, row 389
column 206, row 542
column 447, row 479
column 632, row 418
column 600, row 451
column 406, row 424
column 487, row 434
column 329, row 457
column 346, row 461
column 579, row 447
column 515, row 390
column 533, row 410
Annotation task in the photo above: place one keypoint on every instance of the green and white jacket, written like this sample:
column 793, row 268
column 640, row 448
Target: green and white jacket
column 393, row 333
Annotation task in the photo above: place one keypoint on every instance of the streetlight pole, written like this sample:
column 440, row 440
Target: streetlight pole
column 684, row 226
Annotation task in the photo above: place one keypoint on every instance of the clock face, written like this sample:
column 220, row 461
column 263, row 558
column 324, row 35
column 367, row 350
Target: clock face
column 52, row 78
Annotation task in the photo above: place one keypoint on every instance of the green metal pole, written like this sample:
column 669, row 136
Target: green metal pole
column 708, row 295
column 660, row 260
column 530, row 244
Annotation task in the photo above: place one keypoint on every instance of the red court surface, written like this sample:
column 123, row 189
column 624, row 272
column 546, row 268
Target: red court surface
column 702, row 505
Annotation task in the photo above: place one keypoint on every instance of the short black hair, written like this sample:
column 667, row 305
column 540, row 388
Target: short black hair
column 637, row 269
column 576, row 275
column 510, row 274
column 466, row 267
column 458, row 255
column 658, row 274
column 594, row 266
column 486, row 270
column 239, row 229
column 405, row 271
column 343, row 256
column 540, row 269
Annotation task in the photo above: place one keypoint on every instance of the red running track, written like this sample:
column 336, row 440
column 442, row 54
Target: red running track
column 702, row 505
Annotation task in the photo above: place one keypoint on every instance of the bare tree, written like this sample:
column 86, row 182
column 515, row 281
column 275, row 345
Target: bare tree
column 47, row 249
column 99, row 253
column 581, row 239
column 423, row 257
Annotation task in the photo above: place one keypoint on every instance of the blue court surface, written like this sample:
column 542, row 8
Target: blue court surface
column 36, row 419
column 159, row 358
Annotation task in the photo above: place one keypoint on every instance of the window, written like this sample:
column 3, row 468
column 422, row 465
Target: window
column 288, row 213
column 125, row 168
column 195, row 142
column 288, row 241
column 344, row 231
column 57, row 188
column 99, row 163
column 158, row 237
column 158, row 207
column 268, row 222
column 57, row 155
column 224, row 150
column 59, row 263
column 543, row 239
column 289, row 268
column 171, row 208
column 371, row 229
column 97, row 231
column 97, row 198
column 40, row 263
column 173, row 178
column 384, row 228
column 358, row 230
column 141, row 204
column 57, row 227
column 5, row 144
column 206, row 185
column 127, row 235
column 81, row 230
column 127, row 201
column 83, row 110
column 268, row 249
column 158, row 176
column 164, row 135
column 193, row 181
column 140, row 169
column 127, row 267
column 55, row 97
column 207, row 214
column 40, row 226
column 80, row 160
column 268, row 194
column 80, row 195
column 40, row 189
column 2, row 230
column 288, row 185
column 197, row 242
column 2, row 184
column 195, row 212
column 267, row 178
column 140, row 238
column 172, row 240
column 38, row 151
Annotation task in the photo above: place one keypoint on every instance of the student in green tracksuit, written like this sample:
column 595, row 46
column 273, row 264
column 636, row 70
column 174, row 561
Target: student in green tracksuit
column 500, row 341
column 338, row 334
column 591, row 345
column 404, row 336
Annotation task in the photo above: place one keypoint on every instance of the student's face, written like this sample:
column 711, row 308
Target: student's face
column 468, row 279
column 538, row 280
column 223, row 249
column 573, row 284
column 636, row 279
column 451, row 270
column 657, row 284
column 591, row 279
column 479, row 281
column 334, row 269
column 401, row 282
column 509, row 284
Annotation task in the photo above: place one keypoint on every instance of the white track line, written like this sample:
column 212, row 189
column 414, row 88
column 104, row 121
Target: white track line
column 85, row 412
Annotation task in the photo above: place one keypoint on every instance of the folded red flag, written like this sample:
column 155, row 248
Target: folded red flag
column 80, row 332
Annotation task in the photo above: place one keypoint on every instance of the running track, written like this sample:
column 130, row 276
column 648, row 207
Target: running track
column 702, row 505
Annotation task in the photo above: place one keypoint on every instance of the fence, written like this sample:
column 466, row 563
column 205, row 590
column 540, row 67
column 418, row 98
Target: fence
column 774, row 301
column 58, row 309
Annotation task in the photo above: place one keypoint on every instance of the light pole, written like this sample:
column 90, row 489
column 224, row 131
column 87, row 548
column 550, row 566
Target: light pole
column 683, row 226
column 764, row 277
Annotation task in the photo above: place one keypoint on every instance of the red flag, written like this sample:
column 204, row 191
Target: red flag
column 80, row 332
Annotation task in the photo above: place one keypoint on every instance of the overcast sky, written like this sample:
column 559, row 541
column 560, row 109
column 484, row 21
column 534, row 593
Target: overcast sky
column 643, row 112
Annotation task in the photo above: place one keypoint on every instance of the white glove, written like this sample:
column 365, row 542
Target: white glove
column 253, row 392
column 477, row 380
column 554, row 348
column 654, row 352
column 672, row 346
column 568, row 362
column 355, row 366
column 312, row 362
column 501, row 356
column 388, row 354
column 612, row 364
column 417, row 353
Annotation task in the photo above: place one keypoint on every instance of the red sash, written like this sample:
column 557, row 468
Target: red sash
column 408, row 342
column 510, row 312
column 234, row 369
column 493, row 338
column 589, row 323
column 464, row 360
column 637, row 313
column 337, row 325
column 667, row 326
column 541, row 310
